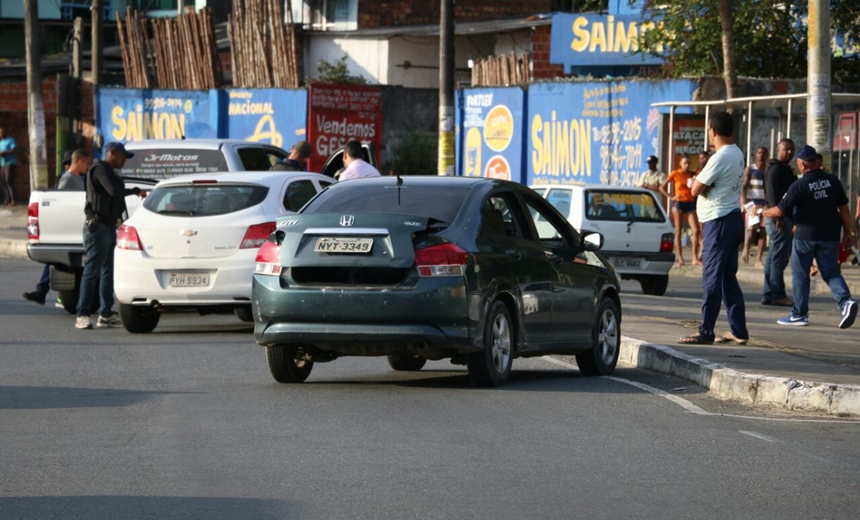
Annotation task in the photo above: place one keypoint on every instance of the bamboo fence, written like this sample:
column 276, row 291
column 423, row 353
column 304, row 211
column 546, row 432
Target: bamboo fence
column 498, row 71
column 263, row 48
column 178, row 54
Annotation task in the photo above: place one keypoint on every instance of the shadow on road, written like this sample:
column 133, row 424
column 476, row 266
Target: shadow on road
column 45, row 397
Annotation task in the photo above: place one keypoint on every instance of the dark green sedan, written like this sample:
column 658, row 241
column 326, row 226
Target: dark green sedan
column 478, row 271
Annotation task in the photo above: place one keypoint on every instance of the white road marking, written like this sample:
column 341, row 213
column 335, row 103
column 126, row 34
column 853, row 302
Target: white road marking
column 692, row 408
column 758, row 436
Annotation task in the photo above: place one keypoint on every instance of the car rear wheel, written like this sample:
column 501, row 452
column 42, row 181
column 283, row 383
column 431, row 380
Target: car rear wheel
column 492, row 365
column 244, row 314
column 138, row 319
column 601, row 359
column 406, row 363
column 655, row 284
column 288, row 363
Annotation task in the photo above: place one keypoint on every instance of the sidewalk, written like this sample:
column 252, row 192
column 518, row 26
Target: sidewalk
column 815, row 369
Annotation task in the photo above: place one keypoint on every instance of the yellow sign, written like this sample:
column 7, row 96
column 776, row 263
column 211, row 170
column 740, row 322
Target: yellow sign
column 473, row 153
column 499, row 128
column 137, row 125
column 266, row 130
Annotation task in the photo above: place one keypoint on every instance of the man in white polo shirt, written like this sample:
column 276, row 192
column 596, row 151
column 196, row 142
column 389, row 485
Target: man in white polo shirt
column 355, row 166
column 718, row 188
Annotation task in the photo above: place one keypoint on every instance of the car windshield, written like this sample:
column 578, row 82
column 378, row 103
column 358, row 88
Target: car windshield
column 163, row 163
column 203, row 200
column 434, row 202
column 625, row 206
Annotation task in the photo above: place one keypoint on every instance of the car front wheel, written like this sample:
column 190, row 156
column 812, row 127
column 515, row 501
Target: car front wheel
column 492, row 365
column 138, row 319
column 601, row 358
column 288, row 363
column 406, row 363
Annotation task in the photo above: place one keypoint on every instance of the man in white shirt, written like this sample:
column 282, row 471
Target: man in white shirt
column 355, row 166
column 718, row 188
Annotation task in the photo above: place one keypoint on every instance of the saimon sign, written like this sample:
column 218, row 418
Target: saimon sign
column 339, row 113
column 135, row 115
column 599, row 40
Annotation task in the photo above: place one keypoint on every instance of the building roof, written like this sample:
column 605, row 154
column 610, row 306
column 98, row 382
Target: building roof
column 432, row 30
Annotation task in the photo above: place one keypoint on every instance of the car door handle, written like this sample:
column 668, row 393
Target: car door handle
column 513, row 253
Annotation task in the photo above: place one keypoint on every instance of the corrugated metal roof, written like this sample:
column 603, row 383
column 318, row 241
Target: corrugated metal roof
column 432, row 30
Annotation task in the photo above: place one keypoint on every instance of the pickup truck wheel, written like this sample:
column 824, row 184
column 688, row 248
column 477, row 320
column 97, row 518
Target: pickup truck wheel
column 70, row 300
column 654, row 285
column 601, row 358
column 288, row 363
column 406, row 363
column 492, row 365
column 244, row 314
column 138, row 319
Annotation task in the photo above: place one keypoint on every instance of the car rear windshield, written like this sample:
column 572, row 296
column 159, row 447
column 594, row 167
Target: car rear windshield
column 203, row 200
column 435, row 202
column 626, row 206
column 163, row 163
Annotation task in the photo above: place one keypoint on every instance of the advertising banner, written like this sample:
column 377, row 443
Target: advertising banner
column 135, row 114
column 338, row 113
column 491, row 129
column 599, row 40
column 688, row 137
column 272, row 116
column 596, row 132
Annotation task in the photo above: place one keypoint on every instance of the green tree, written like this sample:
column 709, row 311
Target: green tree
column 768, row 38
column 337, row 72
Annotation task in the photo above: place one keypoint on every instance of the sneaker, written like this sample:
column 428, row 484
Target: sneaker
column 801, row 321
column 105, row 322
column 35, row 297
column 59, row 304
column 849, row 312
column 83, row 322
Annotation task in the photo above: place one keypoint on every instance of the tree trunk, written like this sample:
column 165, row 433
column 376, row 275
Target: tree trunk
column 728, row 37
column 35, row 105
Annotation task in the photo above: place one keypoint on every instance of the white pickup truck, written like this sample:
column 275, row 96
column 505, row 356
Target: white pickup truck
column 56, row 218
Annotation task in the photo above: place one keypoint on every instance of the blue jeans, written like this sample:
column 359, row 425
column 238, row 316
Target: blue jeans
column 44, row 284
column 98, row 270
column 722, row 238
column 779, row 251
column 826, row 255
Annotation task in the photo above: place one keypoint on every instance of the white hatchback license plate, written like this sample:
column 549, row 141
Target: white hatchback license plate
column 628, row 263
column 343, row 245
column 188, row 279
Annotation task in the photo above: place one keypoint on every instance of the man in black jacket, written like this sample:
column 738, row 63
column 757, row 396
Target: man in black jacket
column 105, row 207
column 777, row 179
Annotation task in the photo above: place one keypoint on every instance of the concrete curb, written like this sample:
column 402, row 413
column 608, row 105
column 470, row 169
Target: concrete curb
column 12, row 247
column 754, row 390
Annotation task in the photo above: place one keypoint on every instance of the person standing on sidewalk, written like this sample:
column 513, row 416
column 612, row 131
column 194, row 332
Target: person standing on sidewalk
column 777, row 179
column 683, row 207
column 651, row 179
column 7, row 168
column 105, row 206
column 718, row 206
column 820, row 208
column 753, row 191
column 76, row 165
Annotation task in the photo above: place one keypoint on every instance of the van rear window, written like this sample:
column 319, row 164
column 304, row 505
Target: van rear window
column 625, row 206
column 164, row 163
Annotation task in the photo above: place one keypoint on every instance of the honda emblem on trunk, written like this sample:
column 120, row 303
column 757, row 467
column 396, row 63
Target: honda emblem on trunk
column 347, row 220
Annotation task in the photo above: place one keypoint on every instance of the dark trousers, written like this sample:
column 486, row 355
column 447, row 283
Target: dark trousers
column 722, row 238
column 44, row 284
column 778, row 253
column 98, row 270
column 7, row 182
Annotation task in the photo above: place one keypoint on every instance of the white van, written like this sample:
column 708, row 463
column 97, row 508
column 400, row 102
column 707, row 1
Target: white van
column 639, row 238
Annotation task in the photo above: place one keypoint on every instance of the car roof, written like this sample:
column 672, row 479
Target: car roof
column 187, row 144
column 603, row 187
column 263, row 177
column 426, row 180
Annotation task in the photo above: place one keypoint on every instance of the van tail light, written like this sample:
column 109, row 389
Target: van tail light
column 441, row 260
column 267, row 262
column 257, row 235
column 33, row 221
column 667, row 243
column 127, row 238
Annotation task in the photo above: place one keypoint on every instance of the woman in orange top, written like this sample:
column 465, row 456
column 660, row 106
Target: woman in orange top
column 683, row 204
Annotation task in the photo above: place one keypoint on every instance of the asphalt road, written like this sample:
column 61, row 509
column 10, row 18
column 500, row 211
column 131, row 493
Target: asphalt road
column 187, row 423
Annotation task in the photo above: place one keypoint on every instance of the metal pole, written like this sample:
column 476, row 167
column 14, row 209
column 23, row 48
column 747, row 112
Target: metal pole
column 788, row 120
column 669, row 163
column 35, row 106
column 707, row 122
column 818, row 132
column 97, row 58
column 446, row 89
column 750, row 153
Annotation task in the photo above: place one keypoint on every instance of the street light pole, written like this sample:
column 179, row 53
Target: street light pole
column 818, row 110
column 35, row 104
column 446, row 88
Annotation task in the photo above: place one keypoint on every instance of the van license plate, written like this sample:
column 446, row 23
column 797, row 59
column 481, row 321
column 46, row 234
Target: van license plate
column 343, row 245
column 628, row 263
column 188, row 280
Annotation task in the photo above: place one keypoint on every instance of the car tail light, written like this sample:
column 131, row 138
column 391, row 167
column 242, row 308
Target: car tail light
column 441, row 260
column 267, row 262
column 127, row 238
column 667, row 243
column 257, row 235
column 33, row 221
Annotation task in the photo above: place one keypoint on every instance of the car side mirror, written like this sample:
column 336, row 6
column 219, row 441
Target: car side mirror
column 592, row 240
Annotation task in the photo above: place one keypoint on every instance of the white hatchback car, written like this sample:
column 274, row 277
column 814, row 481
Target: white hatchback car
column 638, row 237
column 191, row 245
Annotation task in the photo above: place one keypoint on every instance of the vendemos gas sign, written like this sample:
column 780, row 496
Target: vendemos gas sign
column 339, row 113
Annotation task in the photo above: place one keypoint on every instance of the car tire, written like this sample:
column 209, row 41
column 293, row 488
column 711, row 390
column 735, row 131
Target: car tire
column 492, row 365
column 244, row 313
column 137, row 319
column 601, row 358
column 406, row 363
column 655, row 285
column 287, row 363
